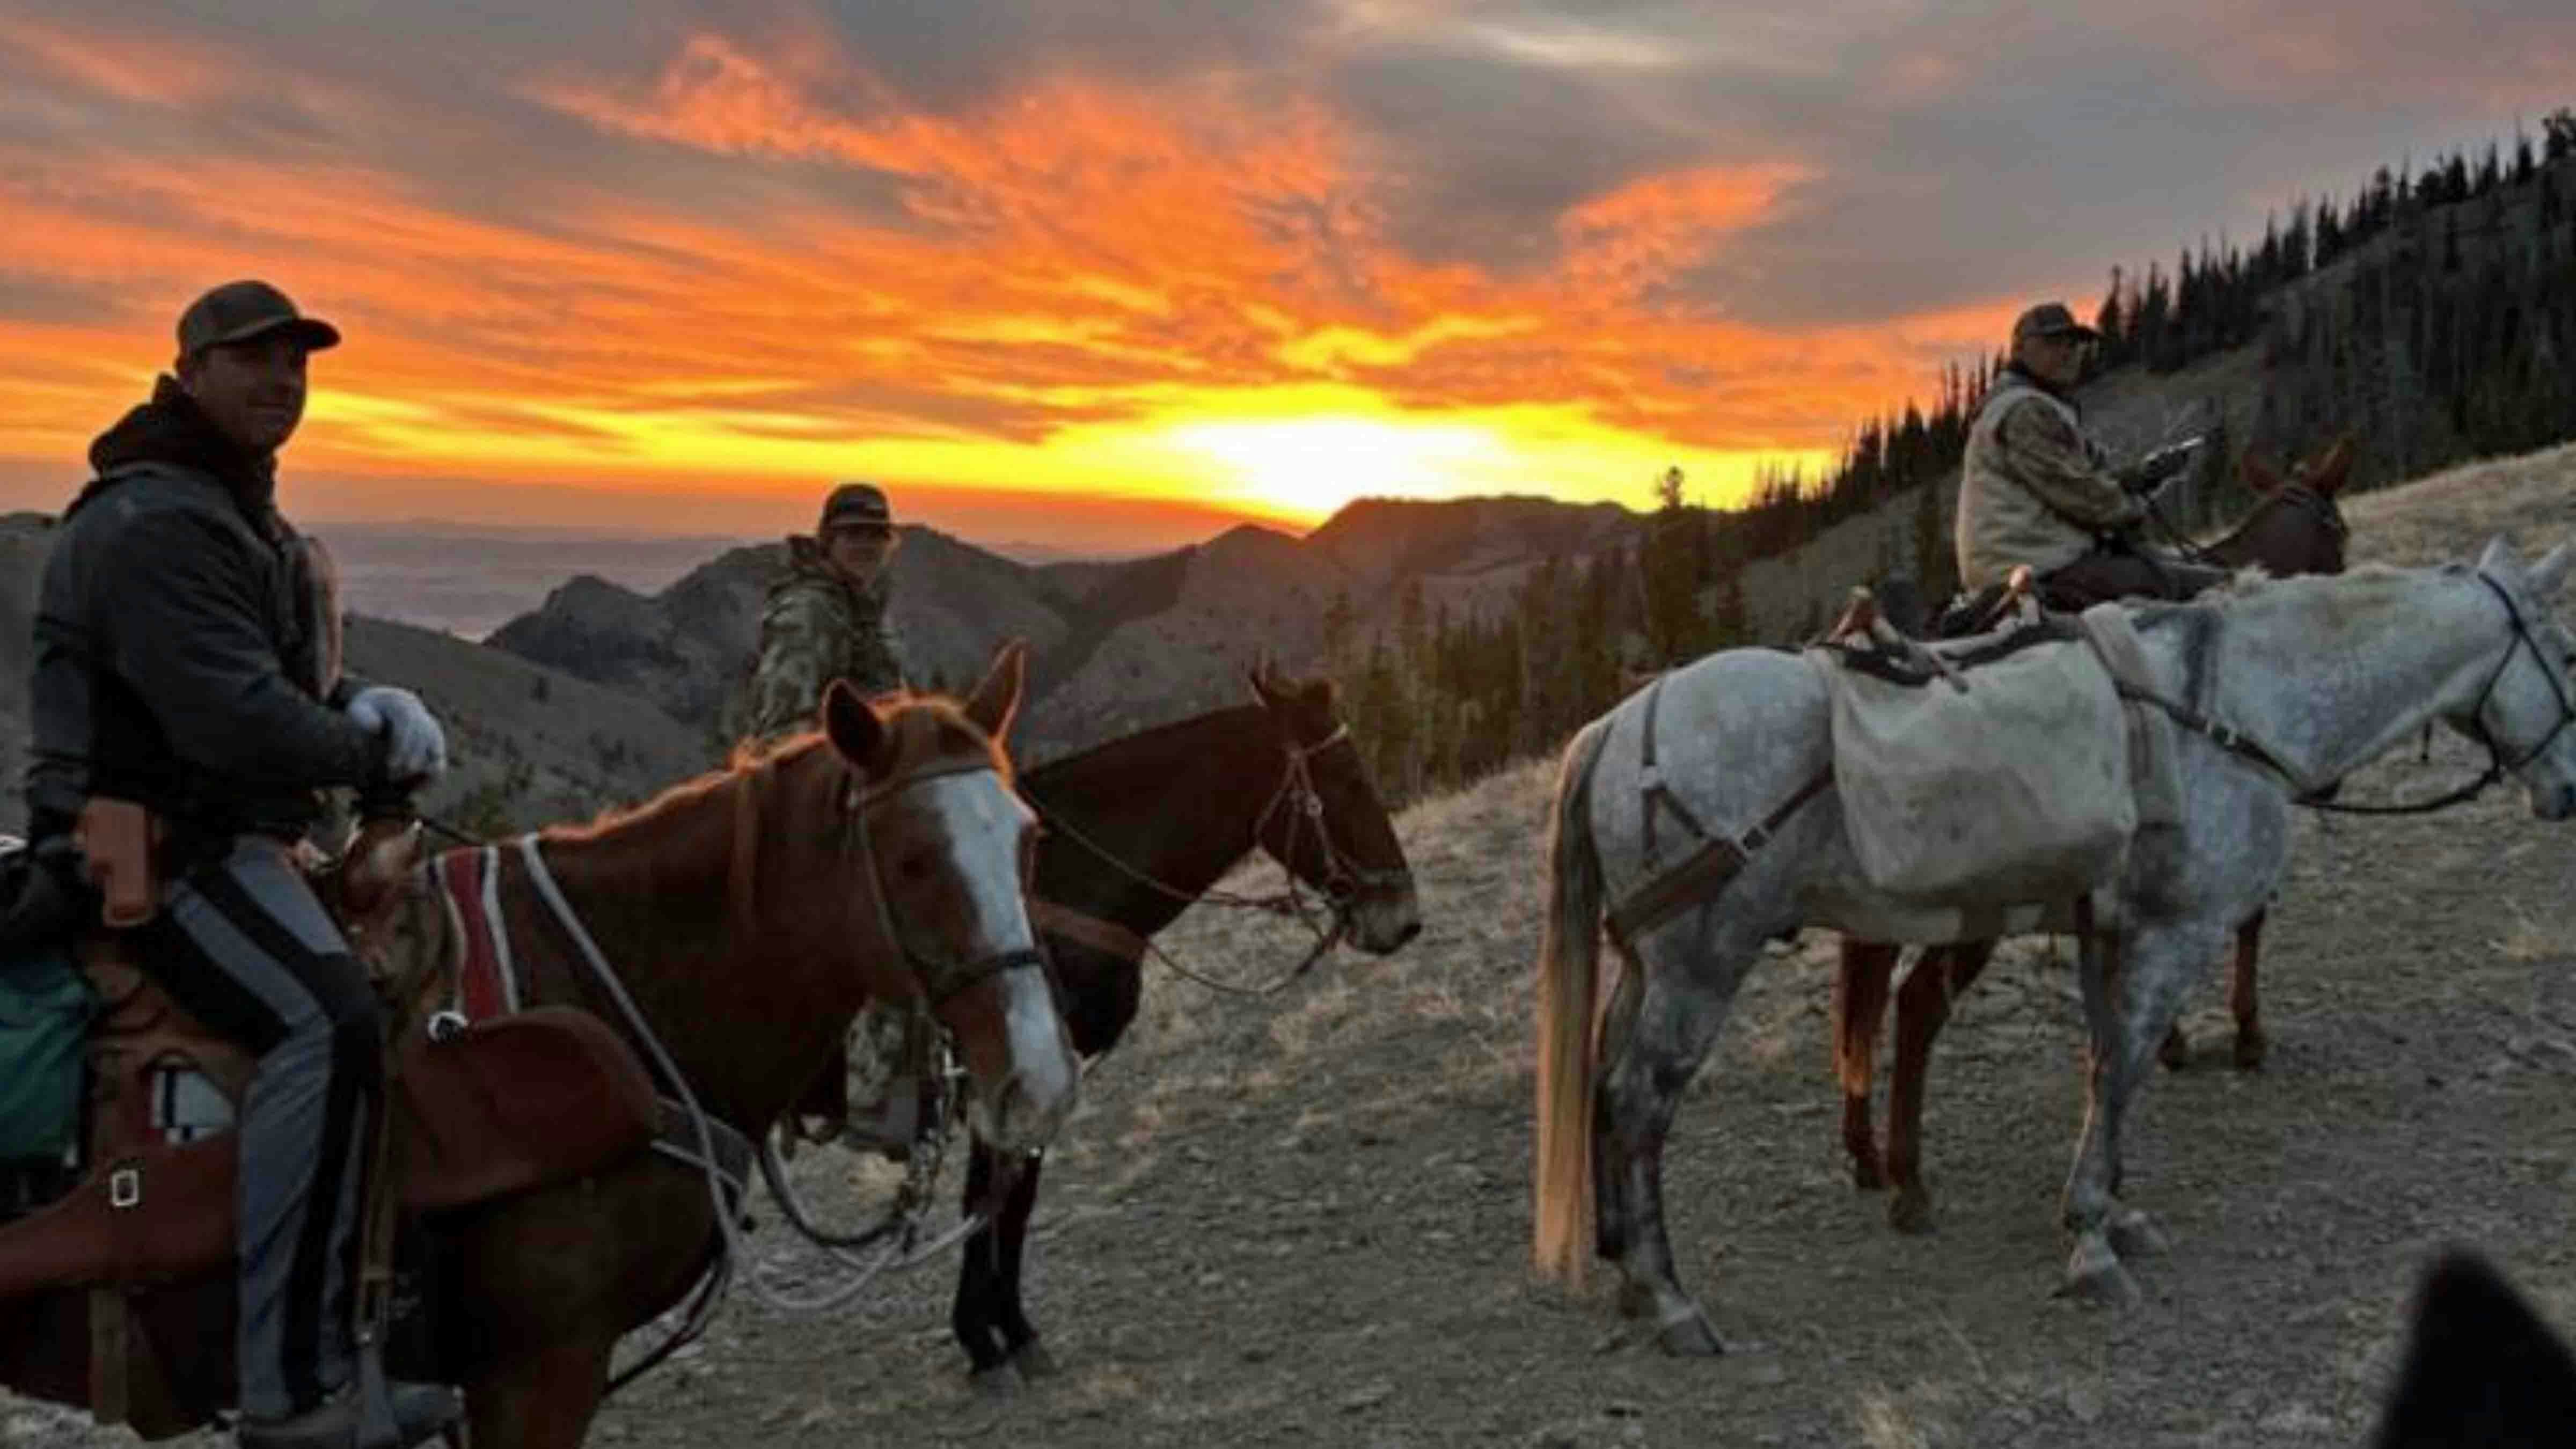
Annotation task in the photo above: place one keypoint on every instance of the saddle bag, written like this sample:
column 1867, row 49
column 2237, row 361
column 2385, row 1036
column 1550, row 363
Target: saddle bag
column 45, row 1010
column 2007, row 783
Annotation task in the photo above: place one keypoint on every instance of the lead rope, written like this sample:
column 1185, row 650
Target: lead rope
column 734, row 1246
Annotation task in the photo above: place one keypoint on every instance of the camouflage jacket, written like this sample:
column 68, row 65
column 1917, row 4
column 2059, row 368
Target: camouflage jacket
column 814, row 628
column 2033, row 488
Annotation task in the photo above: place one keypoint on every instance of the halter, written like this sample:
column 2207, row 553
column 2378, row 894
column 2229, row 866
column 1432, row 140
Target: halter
column 1343, row 884
column 940, row 979
column 2313, row 797
column 1297, row 792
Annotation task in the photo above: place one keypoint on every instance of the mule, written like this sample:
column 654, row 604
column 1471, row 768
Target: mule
column 2291, row 683
column 1135, row 831
column 748, row 915
column 2298, row 528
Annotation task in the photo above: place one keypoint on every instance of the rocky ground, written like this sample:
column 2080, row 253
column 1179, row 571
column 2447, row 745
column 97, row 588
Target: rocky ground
column 1305, row 1220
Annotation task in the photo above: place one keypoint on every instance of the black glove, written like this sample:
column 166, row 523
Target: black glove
column 2150, row 472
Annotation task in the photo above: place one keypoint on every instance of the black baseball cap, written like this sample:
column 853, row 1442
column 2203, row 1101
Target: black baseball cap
column 857, row 505
column 2051, row 319
column 240, row 311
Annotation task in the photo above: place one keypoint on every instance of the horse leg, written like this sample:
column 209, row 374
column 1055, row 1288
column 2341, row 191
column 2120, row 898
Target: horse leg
column 1031, row 1356
column 976, row 1316
column 1609, row 1210
column 1860, row 1002
column 1922, row 1008
column 1677, row 1016
column 2250, row 1043
column 541, row 1399
column 2126, row 1018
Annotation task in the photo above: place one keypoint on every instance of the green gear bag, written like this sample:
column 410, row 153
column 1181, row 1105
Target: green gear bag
column 45, row 1008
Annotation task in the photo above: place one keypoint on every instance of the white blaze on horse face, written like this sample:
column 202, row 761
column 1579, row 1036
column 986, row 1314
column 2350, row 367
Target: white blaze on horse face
column 985, row 825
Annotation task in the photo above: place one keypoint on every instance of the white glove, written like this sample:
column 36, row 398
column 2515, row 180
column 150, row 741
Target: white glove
column 419, row 746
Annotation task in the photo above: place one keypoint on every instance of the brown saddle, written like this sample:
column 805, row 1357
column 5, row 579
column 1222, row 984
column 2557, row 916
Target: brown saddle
column 497, row 1107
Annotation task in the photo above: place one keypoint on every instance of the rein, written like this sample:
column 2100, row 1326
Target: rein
column 2296, row 495
column 940, row 981
column 2312, row 797
column 1296, row 792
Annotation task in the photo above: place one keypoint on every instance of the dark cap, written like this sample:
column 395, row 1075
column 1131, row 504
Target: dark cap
column 856, row 505
column 2050, row 319
column 240, row 311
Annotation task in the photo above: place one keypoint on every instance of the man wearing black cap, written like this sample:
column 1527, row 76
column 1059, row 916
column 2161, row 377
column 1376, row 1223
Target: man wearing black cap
column 825, row 619
column 2035, row 490
column 185, row 663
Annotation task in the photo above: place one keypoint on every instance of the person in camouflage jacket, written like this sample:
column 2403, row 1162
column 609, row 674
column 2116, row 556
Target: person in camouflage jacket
column 825, row 619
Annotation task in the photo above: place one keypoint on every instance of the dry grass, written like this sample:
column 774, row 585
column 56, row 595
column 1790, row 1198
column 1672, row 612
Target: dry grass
column 2531, row 500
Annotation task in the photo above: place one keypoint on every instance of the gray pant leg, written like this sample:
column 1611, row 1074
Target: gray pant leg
column 247, row 948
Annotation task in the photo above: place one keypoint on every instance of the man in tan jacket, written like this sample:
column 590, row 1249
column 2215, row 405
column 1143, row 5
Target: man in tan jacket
column 2035, row 489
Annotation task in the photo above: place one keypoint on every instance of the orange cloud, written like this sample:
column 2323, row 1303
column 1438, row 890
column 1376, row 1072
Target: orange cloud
column 1081, row 290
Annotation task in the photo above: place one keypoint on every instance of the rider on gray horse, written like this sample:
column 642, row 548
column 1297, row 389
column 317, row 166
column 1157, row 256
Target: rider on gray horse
column 2035, row 489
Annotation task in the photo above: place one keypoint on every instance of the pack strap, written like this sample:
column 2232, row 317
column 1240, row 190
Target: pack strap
column 1715, row 859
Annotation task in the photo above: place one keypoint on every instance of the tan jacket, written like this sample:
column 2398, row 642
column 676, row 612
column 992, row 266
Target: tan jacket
column 2033, row 488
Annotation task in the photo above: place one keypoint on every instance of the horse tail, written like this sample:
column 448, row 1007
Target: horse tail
column 1568, row 1041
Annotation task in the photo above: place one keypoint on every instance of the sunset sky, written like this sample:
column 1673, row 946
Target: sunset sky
column 1110, row 273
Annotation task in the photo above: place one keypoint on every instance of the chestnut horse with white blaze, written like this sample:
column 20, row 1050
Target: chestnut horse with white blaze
column 743, row 918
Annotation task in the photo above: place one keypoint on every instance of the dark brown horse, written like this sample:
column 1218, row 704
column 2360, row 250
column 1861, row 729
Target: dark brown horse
column 2296, row 529
column 749, row 915
column 1137, row 830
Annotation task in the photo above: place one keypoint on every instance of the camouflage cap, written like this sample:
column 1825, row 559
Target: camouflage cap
column 857, row 505
column 2050, row 319
column 240, row 311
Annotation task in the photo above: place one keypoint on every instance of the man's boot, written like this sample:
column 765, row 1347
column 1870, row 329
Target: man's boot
column 420, row 1413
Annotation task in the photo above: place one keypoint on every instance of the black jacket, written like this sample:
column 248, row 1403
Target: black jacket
column 178, row 654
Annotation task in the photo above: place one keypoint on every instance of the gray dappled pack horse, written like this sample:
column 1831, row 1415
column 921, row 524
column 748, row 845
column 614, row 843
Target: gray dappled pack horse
column 2305, row 680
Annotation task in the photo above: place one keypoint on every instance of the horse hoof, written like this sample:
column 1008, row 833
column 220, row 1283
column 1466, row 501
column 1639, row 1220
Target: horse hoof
column 2094, row 1275
column 2135, row 1235
column 1033, row 1361
column 1910, row 1211
column 1000, row 1382
column 1636, row 1300
column 1866, row 1177
column 2251, row 1048
column 2175, row 1053
column 1690, row 1336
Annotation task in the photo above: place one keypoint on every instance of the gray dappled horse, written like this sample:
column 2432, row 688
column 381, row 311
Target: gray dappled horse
column 2314, row 676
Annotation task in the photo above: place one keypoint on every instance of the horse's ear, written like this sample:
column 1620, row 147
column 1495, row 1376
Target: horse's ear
column 2497, row 555
column 996, row 702
column 1317, row 693
column 2328, row 474
column 1264, row 685
column 2259, row 475
column 2549, row 573
column 852, row 724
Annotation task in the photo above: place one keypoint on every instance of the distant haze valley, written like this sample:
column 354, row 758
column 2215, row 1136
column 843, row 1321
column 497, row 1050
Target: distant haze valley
column 465, row 581
column 469, row 579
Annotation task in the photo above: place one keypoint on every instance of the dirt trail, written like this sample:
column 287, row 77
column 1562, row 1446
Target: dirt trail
column 1306, row 1221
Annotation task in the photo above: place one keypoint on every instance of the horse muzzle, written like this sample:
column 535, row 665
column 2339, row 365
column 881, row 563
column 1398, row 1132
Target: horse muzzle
column 1024, row 1075
column 1383, row 918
